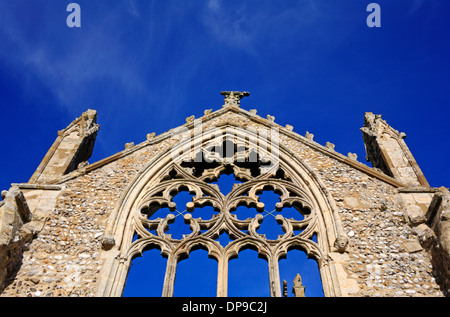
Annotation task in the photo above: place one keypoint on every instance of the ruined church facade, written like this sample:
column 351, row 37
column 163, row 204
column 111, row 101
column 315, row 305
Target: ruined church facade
column 75, row 227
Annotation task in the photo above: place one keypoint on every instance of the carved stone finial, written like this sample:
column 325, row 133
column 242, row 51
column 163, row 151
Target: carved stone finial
column 129, row 145
column 298, row 280
column 309, row 136
column 233, row 98
column 207, row 112
column 253, row 112
column 285, row 292
column 151, row 136
column 353, row 156
column 190, row 119
column 330, row 145
column 298, row 289
column 289, row 127
column 270, row 118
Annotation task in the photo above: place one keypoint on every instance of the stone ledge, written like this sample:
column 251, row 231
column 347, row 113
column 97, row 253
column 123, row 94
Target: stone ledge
column 37, row 186
column 419, row 189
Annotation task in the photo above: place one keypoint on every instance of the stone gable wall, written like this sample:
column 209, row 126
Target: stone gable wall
column 383, row 255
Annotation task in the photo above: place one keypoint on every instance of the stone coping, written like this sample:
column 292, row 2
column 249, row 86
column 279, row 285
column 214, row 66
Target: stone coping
column 255, row 118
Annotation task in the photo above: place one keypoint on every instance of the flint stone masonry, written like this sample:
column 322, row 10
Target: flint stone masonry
column 396, row 233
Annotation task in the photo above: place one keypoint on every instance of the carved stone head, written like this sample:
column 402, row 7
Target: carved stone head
column 341, row 243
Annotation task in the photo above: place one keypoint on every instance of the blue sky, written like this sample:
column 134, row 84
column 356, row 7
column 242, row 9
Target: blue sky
column 147, row 65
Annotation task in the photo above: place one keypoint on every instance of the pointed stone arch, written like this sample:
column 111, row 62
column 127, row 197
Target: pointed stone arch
column 167, row 173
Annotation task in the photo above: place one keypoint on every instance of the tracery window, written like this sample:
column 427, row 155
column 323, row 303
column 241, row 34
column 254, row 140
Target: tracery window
column 223, row 220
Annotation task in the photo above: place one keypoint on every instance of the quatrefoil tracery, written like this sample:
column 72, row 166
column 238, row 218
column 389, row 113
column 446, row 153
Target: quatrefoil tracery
column 246, row 194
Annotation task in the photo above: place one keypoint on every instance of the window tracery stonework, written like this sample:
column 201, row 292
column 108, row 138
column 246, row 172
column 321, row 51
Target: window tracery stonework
column 206, row 231
column 316, row 230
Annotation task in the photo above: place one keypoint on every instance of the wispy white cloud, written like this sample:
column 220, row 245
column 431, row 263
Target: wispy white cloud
column 227, row 25
column 252, row 27
column 133, row 8
column 97, row 54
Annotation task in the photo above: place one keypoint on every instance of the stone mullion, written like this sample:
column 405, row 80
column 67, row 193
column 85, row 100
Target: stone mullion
column 222, row 276
column 274, row 276
column 169, row 278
